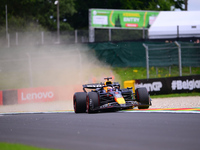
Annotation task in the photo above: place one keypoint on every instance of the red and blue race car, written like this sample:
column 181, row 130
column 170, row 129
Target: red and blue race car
column 109, row 96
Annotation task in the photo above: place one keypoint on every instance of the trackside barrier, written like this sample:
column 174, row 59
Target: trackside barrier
column 169, row 85
column 36, row 95
column 40, row 94
column 1, row 98
column 9, row 97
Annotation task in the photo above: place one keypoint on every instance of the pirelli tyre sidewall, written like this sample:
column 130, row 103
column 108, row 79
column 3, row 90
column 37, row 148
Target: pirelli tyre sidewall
column 142, row 97
column 92, row 101
column 79, row 100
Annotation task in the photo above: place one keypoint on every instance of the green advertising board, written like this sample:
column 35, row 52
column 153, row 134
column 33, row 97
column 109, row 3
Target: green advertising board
column 104, row 18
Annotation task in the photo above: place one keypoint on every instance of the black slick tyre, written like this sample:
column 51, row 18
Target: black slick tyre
column 79, row 100
column 142, row 97
column 92, row 102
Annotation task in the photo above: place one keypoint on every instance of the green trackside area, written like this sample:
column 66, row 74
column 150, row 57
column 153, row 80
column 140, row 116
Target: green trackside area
column 132, row 73
column 11, row 146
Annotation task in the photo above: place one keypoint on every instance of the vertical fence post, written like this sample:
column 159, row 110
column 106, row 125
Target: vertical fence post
column 143, row 36
column 8, row 38
column 76, row 37
column 91, row 34
column 147, row 59
column 42, row 37
column 91, row 29
column 179, row 58
column 17, row 42
column 6, row 21
column 109, row 34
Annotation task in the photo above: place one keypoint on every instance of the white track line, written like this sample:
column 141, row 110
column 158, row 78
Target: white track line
column 160, row 111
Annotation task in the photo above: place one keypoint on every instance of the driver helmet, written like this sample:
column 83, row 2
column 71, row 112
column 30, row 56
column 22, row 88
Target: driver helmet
column 109, row 89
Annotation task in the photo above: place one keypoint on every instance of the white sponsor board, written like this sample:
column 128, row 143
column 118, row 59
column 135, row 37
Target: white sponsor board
column 154, row 86
column 185, row 85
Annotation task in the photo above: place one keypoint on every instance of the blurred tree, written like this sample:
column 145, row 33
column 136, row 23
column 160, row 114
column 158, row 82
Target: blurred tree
column 41, row 14
column 166, row 5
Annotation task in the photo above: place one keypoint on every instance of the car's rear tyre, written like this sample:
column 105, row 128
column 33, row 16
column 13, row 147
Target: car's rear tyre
column 80, row 102
column 92, row 102
column 142, row 96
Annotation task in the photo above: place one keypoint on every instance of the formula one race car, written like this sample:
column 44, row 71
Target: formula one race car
column 108, row 96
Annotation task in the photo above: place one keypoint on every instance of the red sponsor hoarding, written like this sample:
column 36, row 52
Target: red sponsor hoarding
column 1, row 98
column 41, row 94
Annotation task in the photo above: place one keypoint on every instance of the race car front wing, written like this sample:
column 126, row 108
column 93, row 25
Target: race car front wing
column 115, row 105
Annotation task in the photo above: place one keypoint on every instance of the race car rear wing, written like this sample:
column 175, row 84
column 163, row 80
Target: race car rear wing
column 93, row 86
column 99, row 85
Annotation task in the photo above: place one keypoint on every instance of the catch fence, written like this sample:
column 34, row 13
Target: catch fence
column 172, row 54
column 71, row 37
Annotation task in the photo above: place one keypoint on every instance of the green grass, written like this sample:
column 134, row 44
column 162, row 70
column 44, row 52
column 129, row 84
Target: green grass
column 131, row 73
column 11, row 146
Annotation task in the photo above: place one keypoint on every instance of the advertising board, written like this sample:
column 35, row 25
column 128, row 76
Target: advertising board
column 105, row 18
column 36, row 95
column 170, row 85
column 39, row 94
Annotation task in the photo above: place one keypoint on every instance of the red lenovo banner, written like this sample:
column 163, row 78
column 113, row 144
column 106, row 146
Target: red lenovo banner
column 40, row 94
column 1, row 98
column 36, row 95
column 46, row 94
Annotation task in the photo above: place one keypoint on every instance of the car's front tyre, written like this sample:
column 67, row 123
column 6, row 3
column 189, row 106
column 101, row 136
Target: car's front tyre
column 142, row 96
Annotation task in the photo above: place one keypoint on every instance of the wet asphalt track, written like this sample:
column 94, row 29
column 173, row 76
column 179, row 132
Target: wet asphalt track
column 114, row 131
